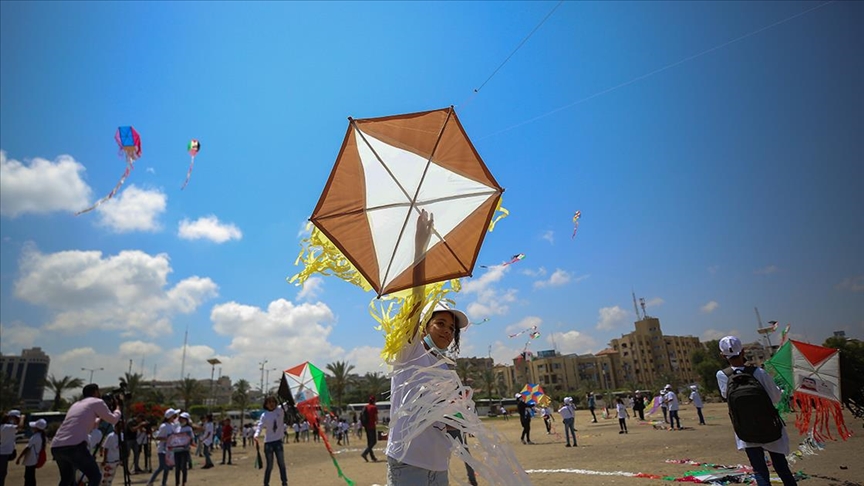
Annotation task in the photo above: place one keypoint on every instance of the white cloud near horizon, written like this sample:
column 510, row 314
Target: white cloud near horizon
column 573, row 341
column 41, row 186
column 558, row 278
column 852, row 284
column 16, row 336
column 655, row 302
column 133, row 209
column 714, row 334
column 526, row 322
column 127, row 292
column 710, row 307
column 540, row 272
column 611, row 317
column 767, row 270
column 208, row 228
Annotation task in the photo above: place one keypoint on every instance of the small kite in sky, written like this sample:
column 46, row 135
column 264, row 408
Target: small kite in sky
column 130, row 143
column 576, row 217
column 513, row 259
column 193, row 147
column 534, row 333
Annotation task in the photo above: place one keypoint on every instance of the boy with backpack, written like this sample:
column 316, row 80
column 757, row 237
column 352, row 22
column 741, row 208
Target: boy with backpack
column 752, row 395
column 34, row 454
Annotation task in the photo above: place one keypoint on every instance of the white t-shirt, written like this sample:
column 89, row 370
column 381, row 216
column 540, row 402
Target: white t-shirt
column 696, row 399
column 430, row 449
column 671, row 400
column 7, row 438
column 781, row 445
column 566, row 412
column 208, row 433
column 165, row 429
column 111, row 446
column 622, row 410
column 94, row 439
column 35, row 445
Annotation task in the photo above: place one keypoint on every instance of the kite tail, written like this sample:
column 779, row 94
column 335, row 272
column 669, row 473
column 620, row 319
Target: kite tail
column 311, row 415
column 502, row 213
column 319, row 255
column 129, row 167
column 189, row 173
column 814, row 414
column 397, row 317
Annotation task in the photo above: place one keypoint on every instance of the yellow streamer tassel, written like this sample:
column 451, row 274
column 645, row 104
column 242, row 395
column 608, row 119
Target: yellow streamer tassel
column 319, row 255
column 501, row 214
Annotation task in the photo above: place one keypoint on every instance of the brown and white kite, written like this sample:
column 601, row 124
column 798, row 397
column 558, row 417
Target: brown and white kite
column 390, row 169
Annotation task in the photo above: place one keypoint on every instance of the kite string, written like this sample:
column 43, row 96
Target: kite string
column 659, row 70
column 477, row 90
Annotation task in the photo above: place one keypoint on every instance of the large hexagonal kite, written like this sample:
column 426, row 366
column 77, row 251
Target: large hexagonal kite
column 390, row 169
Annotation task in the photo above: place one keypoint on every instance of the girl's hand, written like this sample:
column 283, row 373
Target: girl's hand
column 425, row 227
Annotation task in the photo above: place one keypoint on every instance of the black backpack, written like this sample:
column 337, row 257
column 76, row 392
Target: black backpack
column 753, row 415
column 364, row 418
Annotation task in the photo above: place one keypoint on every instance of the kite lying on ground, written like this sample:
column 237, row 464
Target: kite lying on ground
column 193, row 148
column 130, row 143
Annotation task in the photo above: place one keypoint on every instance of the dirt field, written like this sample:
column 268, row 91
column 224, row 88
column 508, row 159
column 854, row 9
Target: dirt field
column 601, row 449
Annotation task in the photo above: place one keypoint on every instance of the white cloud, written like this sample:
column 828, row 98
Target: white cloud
column 656, row 301
column 133, row 209
column 366, row 359
column 127, row 292
column 766, row 270
column 611, row 317
column 41, row 186
column 150, row 170
column 549, row 236
column 540, row 272
column 137, row 348
column 490, row 301
column 208, row 228
column 573, row 342
column 17, row 336
column 503, row 353
column 526, row 323
column 853, row 284
column 558, row 278
column 709, row 307
column 312, row 288
column 714, row 334
column 284, row 332
column 305, row 229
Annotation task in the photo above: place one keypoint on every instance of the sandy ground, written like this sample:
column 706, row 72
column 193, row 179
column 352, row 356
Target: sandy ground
column 601, row 449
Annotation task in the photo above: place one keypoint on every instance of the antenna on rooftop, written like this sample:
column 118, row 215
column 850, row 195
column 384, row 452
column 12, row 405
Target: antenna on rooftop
column 642, row 303
column 635, row 307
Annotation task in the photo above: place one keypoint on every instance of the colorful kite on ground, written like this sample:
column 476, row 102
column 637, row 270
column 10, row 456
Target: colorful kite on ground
column 576, row 217
column 307, row 387
column 809, row 376
column 193, row 147
column 513, row 259
column 130, row 144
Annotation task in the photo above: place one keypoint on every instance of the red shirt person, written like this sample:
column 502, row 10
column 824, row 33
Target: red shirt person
column 370, row 424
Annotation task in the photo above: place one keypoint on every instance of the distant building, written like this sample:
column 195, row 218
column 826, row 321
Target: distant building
column 647, row 355
column 29, row 372
column 216, row 392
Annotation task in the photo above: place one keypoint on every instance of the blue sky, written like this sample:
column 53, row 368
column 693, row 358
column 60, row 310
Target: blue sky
column 713, row 176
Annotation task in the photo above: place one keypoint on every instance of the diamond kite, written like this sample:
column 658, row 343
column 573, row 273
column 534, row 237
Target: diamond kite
column 388, row 170
column 130, row 143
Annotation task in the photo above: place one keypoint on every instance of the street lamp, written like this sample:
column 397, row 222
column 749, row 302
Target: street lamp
column 92, row 370
column 267, row 380
column 262, row 363
column 213, row 362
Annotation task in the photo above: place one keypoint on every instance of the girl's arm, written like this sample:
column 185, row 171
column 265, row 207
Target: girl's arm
column 425, row 225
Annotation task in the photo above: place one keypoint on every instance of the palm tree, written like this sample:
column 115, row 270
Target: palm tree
column 240, row 397
column 59, row 386
column 340, row 380
column 8, row 392
column 463, row 369
column 487, row 381
column 376, row 383
column 190, row 391
column 133, row 383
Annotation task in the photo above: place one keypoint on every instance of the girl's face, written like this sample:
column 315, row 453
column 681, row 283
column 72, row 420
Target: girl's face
column 270, row 404
column 441, row 328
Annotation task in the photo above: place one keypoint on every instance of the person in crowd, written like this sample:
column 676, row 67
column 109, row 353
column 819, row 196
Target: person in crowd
column 671, row 400
column 524, row 418
column 182, row 453
column 592, row 404
column 111, row 454
column 30, row 454
column 70, row 445
column 227, row 438
column 623, row 415
column 639, row 406
column 568, row 417
column 272, row 420
column 12, row 423
column 371, row 428
column 165, row 429
column 696, row 400
column 207, row 438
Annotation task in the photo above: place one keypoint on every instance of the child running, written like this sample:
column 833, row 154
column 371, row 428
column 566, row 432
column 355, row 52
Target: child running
column 623, row 415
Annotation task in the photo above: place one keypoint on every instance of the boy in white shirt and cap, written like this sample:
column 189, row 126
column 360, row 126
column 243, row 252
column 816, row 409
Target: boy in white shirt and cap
column 30, row 454
column 731, row 348
column 696, row 400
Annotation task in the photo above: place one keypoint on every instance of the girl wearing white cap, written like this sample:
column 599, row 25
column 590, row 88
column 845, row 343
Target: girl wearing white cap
column 31, row 453
column 421, row 460
column 182, row 458
column 166, row 428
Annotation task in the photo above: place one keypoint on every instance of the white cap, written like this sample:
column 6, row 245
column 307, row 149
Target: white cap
column 170, row 412
column 667, row 387
column 518, row 395
column 461, row 319
column 185, row 415
column 39, row 424
column 693, row 387
column 14, row 413
column 567, row 399
column 730, row 346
